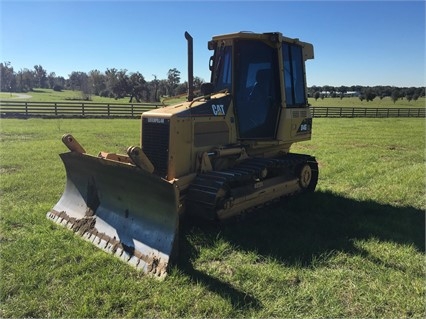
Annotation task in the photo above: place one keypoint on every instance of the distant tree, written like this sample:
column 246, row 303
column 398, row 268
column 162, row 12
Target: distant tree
column 97, row 81
column 356, row 88
column 342, row 89
column 369, row 94
column 384, row 91
column 197, row 83
column 327, row 88
column 85, row 88
column 137, row 87
column 173, row 79
column 154, row 92
column 181, row 88
column 117, row 83
column 26, row 80
column 317, row 95
column 410, row 91
column 60, row 80
column 395, row 95
column 111, row 80
column 163, row 89
column 313, row 89
column 51, row 80
column 40, row 76
column 121, row 87
column 7, row 78
column 77, row 80
column 420, row 91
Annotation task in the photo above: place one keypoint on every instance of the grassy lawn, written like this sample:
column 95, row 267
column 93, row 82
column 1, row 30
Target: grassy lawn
column 49, row 95
column 354, row 248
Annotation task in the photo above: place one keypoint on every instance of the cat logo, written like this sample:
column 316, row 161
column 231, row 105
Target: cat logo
column 218, row 109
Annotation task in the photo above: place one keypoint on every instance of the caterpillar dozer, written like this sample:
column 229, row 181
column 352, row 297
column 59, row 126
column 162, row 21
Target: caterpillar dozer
column 214, row 156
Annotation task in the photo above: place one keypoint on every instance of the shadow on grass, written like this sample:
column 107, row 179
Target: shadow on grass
column 38, row 91
column 300, row 230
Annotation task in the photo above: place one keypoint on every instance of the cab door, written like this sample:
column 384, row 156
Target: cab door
column 257, row 92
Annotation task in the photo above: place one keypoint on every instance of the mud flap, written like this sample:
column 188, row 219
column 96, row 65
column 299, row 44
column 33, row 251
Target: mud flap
column 120, row 208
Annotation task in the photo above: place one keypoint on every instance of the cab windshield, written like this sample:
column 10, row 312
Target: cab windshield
column 222, row 72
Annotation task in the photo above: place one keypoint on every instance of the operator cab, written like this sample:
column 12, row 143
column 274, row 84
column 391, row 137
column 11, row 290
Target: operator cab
column 248, row 66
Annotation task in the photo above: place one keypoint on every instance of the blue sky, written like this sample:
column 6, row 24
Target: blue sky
column 356, row 42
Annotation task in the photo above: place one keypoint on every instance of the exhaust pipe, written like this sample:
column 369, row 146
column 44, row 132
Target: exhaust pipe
column 190, row 67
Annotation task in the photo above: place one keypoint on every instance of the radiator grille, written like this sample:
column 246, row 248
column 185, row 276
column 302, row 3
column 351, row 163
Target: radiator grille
column 155, row 143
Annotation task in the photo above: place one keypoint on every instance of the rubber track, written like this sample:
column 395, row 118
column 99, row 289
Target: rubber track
column 209, row 190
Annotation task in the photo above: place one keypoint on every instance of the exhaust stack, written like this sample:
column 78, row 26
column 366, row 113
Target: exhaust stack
column 190, row 67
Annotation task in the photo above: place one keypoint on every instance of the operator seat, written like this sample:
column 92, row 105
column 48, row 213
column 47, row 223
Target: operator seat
column 260, row 98
column 261, row 88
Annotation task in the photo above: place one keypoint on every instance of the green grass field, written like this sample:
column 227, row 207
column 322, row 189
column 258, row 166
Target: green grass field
column 354, row 248
column 49, row 95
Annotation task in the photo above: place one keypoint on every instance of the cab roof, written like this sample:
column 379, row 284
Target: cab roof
column 308, row 48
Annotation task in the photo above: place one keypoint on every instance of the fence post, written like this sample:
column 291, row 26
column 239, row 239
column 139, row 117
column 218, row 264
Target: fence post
column 132, row 109
column 82, row 108
column 26, row 108
column 109, row 111
column 56, row 110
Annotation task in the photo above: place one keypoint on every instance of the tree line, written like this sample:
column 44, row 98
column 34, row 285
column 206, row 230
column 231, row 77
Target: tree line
column 117, row 84
column 366, row 92
column 111, row 83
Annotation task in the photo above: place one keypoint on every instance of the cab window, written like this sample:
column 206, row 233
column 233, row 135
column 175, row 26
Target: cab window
column 294, row 78
column 257, row 93
column 223, row 69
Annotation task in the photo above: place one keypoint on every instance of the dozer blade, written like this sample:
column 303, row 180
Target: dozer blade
column 120, row 208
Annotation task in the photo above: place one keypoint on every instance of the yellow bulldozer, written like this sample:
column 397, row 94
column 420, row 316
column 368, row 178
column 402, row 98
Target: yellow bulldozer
column 213, row 156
